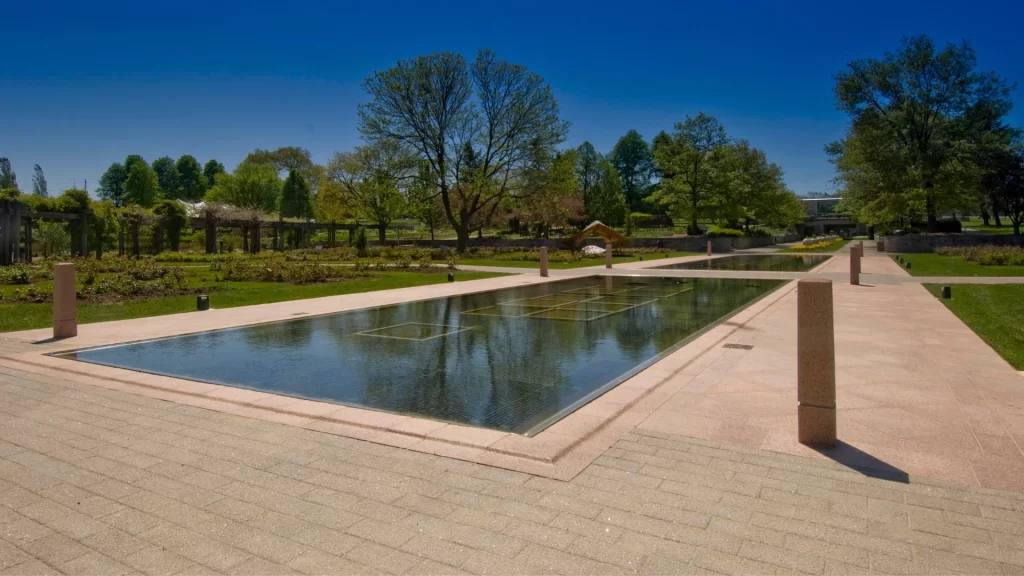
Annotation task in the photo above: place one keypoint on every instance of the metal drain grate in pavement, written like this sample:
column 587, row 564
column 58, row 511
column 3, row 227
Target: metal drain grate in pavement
column 739, row 346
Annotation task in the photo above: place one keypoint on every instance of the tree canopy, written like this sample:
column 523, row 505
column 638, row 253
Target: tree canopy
column 253, row 185
column 633, row 161
column 141, row 186
column 916, row 116
column 475, row 125
column 295, row 198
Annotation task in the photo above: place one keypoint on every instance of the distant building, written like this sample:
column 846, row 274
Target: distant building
column 823, row 217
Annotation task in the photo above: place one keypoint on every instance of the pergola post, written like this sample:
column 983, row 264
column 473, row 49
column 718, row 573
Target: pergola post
column 15, row 238
column 256, row 237
column 211, row 234
column 5, row 230
column 28, row 240
column 83, row 230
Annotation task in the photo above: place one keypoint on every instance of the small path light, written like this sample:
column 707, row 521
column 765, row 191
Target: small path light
column 908, row 265
column 947, row 292
column 202, row 302
column 451, row 277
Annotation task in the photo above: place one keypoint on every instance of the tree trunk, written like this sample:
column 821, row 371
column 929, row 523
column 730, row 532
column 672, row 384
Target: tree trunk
column 382, row 230
column 461, row 238
column 1016, row 227
column 984, row 217
column 929, row 206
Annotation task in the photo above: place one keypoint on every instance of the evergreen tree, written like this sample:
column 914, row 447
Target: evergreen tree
column 39, row 182
column 112, row 184
column 211, row 170
column 295, row 197
column 167, row 177
column 7, row 177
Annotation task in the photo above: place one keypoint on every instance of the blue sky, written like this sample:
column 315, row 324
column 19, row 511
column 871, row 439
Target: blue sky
column 85, row 84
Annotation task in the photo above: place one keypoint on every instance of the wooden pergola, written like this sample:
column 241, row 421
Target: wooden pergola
column 16, row 231
column 254, row 228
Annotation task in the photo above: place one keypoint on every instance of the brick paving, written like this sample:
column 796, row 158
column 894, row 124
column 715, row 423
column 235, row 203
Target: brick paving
column 96, row 481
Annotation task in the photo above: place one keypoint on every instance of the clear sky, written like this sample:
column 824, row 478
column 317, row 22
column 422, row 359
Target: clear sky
column 84, row 84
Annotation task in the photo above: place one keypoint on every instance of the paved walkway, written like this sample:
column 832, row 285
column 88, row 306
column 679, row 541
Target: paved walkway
column 100, row 482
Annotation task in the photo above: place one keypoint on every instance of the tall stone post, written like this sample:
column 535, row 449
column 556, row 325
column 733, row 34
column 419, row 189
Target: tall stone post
column 65, row 317
column 709, row 247
column 544, row 261
column 607, row 254
column 816, row 363
column 854, row 266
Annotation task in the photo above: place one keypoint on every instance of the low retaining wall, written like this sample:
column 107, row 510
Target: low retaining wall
column 684, row 244
column 924, row 243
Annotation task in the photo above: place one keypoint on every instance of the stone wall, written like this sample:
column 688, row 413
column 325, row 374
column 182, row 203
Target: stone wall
column 924, row 243
column 685, row 244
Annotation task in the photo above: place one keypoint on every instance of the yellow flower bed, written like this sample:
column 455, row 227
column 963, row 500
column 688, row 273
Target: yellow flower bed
column 813, row 247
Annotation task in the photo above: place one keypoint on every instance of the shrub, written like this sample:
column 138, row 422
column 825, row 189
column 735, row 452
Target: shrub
column 24, row 273
column 730, row 232
column 987, row 255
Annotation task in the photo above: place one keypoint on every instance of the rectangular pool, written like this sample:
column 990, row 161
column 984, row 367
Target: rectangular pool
column 754, row 262
column 516, row 360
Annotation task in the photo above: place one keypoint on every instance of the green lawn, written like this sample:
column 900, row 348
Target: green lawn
column 566, row 265
column 830, row 248
column 935, row 265
column 994, row 312
column 21, row 316
column 979, row 225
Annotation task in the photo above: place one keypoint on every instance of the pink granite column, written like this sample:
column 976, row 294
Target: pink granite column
column 709, row 247
column 854, row 266
column 607, row 255
column 65, row 317
column 816, row 363
column 544, row 261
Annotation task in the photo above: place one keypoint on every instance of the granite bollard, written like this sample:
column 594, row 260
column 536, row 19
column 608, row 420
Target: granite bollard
column 65, row 314
column 854, row 266
column 709, row 247
column 607, row 255
column 816, row 363
column 544, row 261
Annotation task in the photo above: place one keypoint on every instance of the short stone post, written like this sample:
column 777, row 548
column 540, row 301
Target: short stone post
column 65, row 317
column 709, row 247
column 816, row 363
column 607, row 255
column 880, row 245
column 854, row 266
column 544, row 261
column 860, row 246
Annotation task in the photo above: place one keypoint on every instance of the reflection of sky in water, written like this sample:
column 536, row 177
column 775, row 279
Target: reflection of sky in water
column 507, row 371
column 755, row 262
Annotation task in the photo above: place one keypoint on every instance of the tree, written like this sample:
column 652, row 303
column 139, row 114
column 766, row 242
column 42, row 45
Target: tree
column 211, row 170
column 284, row 159
column 918, row 109
column 39, row 182
column 130, row 160
column 167, row 177
column 112, row 184
column 549, row 192
column 253, row 186
column 191, row 180
column 690, row 164
column 606, row 202
column 635, row 165
column 1005, row 183
column 141, row 186
column 295, row 199
column 439, row 106
column 370, row 178
column 587, row 171
column 425, row 201
column 8, row 179
column 754, row 191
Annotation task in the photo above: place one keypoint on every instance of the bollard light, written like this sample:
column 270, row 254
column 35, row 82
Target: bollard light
column 908, row 265
column 202, row 302
column 947, row 292
column 451, row 277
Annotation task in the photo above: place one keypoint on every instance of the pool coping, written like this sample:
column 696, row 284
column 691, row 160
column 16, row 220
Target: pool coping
column 560, row 451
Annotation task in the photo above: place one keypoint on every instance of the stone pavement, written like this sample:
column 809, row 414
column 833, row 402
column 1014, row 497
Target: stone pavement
column 94, row 481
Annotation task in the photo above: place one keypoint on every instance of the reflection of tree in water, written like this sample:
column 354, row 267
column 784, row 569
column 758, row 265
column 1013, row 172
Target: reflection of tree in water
column 505, row 372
